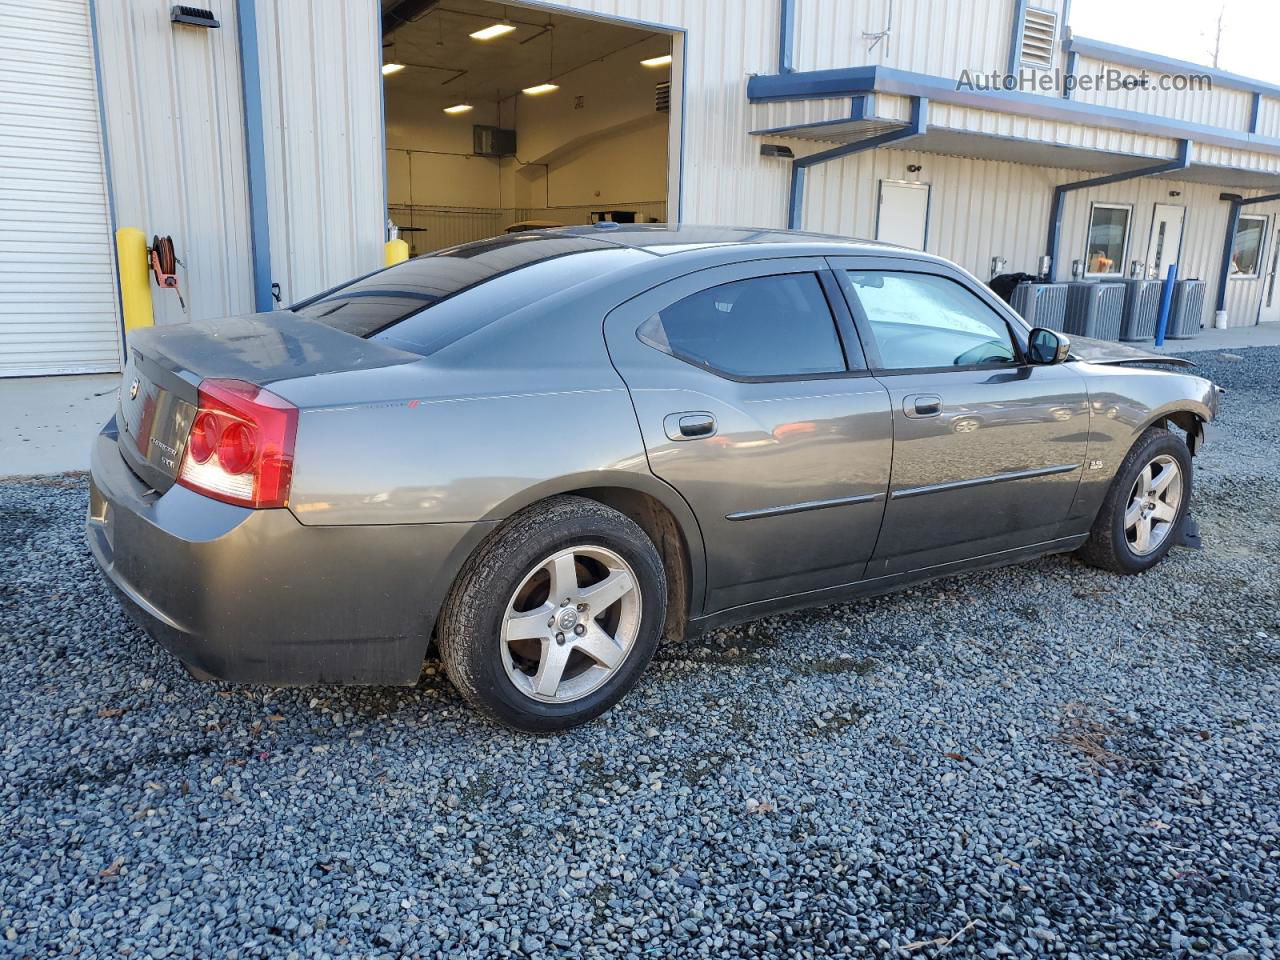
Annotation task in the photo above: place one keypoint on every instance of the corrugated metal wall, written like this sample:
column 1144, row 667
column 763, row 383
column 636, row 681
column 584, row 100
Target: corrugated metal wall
column 938, row 37
column 321, row 64
column 1219, row 107
column 1269, row 117
column 175, row 128
column 57, row 288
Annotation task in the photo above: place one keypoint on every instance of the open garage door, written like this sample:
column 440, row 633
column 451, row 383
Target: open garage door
column 501, row 117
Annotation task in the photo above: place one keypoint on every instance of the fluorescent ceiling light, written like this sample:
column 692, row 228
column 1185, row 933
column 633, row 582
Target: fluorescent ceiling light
column 390, row 68
column 662, row 61
column 497, row 30
column 541, row 88
column 458, row 108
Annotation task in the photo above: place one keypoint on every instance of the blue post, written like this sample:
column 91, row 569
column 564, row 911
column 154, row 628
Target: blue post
column 1166, row 301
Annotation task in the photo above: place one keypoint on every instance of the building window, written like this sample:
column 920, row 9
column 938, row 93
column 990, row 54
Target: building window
column 1108, row 239
column 1246, row 252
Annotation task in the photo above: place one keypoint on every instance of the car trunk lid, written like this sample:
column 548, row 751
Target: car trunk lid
column 159, row 394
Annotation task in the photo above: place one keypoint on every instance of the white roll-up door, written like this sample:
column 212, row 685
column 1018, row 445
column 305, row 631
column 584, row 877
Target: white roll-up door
column 58, row 308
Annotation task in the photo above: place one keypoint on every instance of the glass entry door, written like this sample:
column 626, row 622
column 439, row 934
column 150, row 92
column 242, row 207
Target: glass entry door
column 1166, row 239
column 1269, row 311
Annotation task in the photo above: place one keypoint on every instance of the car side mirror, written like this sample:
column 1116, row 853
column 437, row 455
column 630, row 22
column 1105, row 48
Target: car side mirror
column 1045, row 346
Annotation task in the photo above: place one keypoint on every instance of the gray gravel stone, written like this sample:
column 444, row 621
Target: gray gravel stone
column 1037, row 761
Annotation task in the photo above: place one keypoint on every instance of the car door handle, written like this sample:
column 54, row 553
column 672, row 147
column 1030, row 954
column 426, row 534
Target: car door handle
column 691, row 425
column 920, row 405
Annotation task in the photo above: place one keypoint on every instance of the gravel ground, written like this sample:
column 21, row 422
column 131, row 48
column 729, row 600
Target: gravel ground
column 1039, row 761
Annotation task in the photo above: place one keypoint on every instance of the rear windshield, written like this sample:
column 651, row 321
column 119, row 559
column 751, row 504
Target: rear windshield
column 381, row 300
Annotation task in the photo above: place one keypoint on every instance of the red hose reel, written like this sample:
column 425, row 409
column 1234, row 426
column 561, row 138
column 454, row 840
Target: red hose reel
column 164, row 265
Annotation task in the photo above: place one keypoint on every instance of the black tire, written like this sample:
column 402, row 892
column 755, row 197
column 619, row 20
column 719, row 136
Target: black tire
column 469, row 632
column 1108, row 546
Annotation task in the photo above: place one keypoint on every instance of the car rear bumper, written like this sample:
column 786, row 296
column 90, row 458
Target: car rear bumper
column 254, row 596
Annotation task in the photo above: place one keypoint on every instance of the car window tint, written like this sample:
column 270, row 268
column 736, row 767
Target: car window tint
column 920, row 320
column 375, row 302
column 762, row 327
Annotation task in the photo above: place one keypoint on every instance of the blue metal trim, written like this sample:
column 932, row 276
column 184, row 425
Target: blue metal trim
column 684, row 113
column 1229, row 242
column 1181, row 162
column 1114, row 53
column 382, row 130
column 1068, row 77
column 863, row 107
column 919, row 123
column 106, row 163
column 1255, row 109
column 255, row 153
column 850, row 81
column 1015, row 38
column 786, row 35
column 577, row 11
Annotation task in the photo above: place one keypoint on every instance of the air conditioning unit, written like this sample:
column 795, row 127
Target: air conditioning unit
column 1041, row 304
column 489, row 141
column 1186, row 310
column 1094, row 310
column 1141, row 309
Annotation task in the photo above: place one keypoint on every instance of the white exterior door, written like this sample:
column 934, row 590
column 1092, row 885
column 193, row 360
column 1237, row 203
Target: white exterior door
column 1166, row 239
column 57, row 277
column 903, row 214
column 1269, row 310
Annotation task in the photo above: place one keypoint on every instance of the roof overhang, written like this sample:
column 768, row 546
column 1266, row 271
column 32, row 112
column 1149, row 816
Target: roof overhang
column 860, row 81
column 860, row 103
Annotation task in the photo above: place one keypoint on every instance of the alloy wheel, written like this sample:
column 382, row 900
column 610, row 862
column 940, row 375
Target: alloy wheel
column 571, row 624
column 1153, row 506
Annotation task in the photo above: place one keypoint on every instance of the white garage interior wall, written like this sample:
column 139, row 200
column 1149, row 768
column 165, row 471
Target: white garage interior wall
column 175, row 128
column 57, row 284
column 598, row 143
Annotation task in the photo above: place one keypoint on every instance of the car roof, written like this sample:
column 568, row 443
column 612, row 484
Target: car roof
column 667, row 239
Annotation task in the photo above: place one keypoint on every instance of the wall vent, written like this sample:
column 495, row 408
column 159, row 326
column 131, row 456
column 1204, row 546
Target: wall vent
column 662, row 97
column 193, row 16
column 1039, row 27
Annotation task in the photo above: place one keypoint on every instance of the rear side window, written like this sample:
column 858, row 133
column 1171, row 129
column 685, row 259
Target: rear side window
column 778, row 326
column 923, row 321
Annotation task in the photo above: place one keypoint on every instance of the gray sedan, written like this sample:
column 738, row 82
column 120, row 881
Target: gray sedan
column 548, row 451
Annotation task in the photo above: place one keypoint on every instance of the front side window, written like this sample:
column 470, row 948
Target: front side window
column 923, row 321
column 778, row 326
column 1108, row 237
column 1246, row 252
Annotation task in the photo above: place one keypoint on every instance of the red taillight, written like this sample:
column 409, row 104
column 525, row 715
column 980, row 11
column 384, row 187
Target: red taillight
column 240, row 449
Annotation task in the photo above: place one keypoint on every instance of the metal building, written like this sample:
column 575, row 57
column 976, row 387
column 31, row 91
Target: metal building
column 256, row 134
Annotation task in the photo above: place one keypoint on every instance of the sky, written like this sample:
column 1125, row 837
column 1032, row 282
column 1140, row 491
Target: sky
column 1185, row 29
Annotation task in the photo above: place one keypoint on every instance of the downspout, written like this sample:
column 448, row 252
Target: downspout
column 1181, row 162
column 1015, row 36
column 1229, row 242
column 918, row 125
column 255, row 154
column 786, row 35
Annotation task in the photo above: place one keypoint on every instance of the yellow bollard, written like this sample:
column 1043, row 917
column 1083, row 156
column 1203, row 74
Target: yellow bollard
column 396, row 251
column 135, row 278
